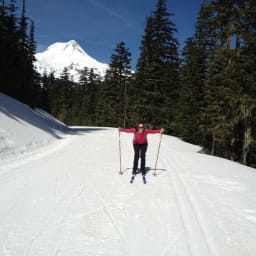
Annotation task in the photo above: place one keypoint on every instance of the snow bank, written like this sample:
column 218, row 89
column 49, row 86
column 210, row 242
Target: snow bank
column 23, row 130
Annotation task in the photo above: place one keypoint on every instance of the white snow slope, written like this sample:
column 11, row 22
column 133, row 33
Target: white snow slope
column 67, row 55
column 67, row 198
column 23, row 130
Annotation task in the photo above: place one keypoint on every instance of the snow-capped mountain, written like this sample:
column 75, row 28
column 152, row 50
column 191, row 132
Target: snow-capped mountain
column 70, row 55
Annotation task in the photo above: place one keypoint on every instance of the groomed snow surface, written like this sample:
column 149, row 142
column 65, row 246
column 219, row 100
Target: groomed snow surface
column 61, row 194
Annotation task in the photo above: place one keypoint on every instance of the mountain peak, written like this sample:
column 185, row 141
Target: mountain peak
column 67, row 55
column 73, row 45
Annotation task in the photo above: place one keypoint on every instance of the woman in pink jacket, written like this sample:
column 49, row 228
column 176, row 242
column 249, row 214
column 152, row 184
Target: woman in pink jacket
column 140, row 145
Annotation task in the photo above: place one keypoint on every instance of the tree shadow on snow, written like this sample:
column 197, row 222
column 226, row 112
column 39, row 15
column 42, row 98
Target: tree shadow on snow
column 38, row 118
column 82, row 130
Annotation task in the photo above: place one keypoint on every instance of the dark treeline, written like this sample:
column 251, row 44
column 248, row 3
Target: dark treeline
column 17, row 50
column 218, row 81
column 205, row 95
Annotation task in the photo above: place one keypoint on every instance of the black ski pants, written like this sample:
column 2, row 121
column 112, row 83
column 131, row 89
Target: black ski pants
column 139, row 152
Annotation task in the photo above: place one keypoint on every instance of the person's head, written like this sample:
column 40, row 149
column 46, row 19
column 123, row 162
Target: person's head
column 140, row 126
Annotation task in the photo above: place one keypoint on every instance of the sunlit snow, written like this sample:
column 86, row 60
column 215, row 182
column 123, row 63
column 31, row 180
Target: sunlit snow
column 61, row 194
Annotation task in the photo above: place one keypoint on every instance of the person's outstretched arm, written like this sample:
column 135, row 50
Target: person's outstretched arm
column 155, row 131
column 129, row 130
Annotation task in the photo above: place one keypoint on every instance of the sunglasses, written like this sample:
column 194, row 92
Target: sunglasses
column 140, row 126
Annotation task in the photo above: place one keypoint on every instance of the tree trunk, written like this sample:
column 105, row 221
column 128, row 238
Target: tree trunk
column 125, row 104
column 213, row 144
column 246, row 144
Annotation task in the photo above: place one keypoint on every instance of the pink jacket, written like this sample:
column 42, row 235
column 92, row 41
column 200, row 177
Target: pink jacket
column 140, row 138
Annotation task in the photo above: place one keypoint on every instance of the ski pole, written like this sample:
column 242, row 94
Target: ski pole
column 158, row 154
column 120, row 161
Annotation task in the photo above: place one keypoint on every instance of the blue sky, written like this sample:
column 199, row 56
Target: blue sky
column 99, row 25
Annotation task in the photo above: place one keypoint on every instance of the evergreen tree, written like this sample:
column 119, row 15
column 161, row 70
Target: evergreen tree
column 62, row 93
column 93, row 91
column 157, row 75
column 8, row 48
column 82, row 97
column 196, row 55
column 23, row 26
column 89, row 87
column 191, row 92
column 16, row 65
column 229, row 91
column 115, row 96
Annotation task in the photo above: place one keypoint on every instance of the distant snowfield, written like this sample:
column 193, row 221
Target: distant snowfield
column 61, row 194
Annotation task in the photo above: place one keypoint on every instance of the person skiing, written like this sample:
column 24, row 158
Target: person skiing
column 140, row 145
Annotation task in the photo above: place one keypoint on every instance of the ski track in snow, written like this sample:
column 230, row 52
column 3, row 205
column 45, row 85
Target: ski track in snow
column 71, row 200
column 207, row 226
column 188, row 213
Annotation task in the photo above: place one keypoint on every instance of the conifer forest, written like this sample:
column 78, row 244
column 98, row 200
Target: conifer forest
column 204, row 93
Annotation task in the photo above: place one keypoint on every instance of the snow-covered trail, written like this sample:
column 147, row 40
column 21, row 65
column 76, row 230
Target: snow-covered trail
column 72, row 201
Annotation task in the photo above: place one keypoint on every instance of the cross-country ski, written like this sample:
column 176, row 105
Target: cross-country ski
column 143, row 179
column 132, row 179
